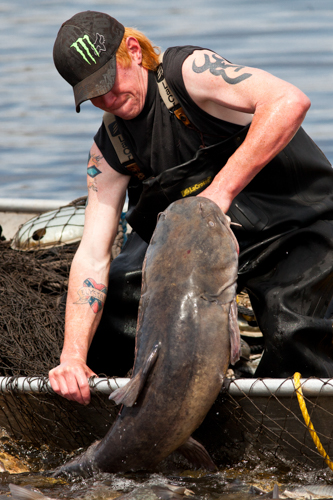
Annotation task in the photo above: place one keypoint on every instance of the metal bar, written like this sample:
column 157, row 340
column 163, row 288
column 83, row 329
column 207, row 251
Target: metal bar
column 311, row 387
column 22, row 205
column 42, row 385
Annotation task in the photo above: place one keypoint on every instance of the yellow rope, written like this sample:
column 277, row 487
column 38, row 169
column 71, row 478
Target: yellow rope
column 306, row 416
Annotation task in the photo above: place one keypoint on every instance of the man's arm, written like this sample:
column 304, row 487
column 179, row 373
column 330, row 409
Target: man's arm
column 224, row 90
column 89, row 277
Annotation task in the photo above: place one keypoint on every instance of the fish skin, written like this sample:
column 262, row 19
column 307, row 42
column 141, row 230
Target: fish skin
column 182, row 342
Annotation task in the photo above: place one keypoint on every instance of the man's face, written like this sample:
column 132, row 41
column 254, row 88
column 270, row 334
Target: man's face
column 127, row 96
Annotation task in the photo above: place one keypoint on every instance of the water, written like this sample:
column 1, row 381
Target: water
column 44, row 144
column 246, row 481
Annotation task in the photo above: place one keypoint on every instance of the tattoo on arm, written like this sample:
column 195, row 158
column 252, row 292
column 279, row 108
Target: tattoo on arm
column 92, row 185
column 219, row 67
column 93, row 170
column 92, row 293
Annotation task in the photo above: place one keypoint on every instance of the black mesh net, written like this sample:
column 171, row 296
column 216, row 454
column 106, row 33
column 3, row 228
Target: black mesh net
column 33, row 286
column 264, row 416
column 32, row 292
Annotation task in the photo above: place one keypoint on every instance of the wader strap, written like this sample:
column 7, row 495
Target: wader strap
column 118, row 142
column 167, row 96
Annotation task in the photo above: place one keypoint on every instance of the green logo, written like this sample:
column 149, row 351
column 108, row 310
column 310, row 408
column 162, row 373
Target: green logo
column 80, row 45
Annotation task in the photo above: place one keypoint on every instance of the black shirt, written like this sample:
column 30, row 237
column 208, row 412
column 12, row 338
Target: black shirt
column 157, row 139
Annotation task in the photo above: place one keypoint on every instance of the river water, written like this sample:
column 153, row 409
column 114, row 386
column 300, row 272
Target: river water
column 44, row 144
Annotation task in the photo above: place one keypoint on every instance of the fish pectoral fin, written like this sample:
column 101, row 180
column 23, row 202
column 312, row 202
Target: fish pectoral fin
column 195, row 453
column 234, row 333
column 128, row 394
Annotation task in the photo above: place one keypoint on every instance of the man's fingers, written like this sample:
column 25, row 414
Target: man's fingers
column 68, row 387
column 54, row 382
column 83, row 386
column 71, row 382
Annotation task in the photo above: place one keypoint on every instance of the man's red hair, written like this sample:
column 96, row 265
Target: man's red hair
column 150, row 52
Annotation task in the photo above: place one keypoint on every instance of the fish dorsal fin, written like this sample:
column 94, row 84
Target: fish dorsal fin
column 195, row 453
column 128, row 394
column 234, row 333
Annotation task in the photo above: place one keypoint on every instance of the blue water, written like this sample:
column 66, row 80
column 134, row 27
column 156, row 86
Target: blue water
column 44, row 144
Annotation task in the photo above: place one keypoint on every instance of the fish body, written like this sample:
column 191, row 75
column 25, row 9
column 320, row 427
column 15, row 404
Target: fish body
column 186, row 314
column 310, row 491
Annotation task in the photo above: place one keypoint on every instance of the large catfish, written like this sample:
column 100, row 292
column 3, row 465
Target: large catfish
column 187, row 328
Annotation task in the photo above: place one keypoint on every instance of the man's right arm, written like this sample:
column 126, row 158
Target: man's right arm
column 89, row 277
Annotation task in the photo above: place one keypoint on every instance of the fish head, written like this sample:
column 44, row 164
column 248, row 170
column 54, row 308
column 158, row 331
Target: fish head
column 194, row 235
column 187, row 216
column 217, row 220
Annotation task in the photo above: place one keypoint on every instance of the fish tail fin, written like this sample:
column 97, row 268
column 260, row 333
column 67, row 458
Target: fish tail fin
column 128, row 394
column 20, row 493
column 170, row 492
column 195, row 453
column 234, row 333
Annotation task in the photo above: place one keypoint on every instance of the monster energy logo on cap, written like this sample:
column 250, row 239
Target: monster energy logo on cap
column 89, row 66
column 84, row 46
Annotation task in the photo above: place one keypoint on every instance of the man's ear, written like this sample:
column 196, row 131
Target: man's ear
column 134, row 49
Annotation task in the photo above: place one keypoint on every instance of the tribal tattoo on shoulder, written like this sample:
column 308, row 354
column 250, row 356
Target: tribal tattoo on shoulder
column 218, row 67
column 92, row 293
column 93, row 170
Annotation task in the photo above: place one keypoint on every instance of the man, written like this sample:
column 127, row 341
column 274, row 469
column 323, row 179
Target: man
column 235, row 138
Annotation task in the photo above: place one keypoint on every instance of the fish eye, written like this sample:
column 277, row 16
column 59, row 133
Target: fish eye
column 211, row 223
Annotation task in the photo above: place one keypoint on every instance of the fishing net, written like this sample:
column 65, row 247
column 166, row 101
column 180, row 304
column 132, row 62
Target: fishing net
column 33, row 286
column 251, row 424
column 263, row 417
column 33, row 283
column 36, row 415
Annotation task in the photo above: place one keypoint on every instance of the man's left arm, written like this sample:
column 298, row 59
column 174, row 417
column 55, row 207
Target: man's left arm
column 278, row 109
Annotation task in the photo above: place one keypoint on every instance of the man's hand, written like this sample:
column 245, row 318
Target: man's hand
column 70, row 380
column 216, row 193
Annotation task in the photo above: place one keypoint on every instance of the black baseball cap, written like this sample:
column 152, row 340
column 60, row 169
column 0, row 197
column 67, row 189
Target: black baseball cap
column 84, row 53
